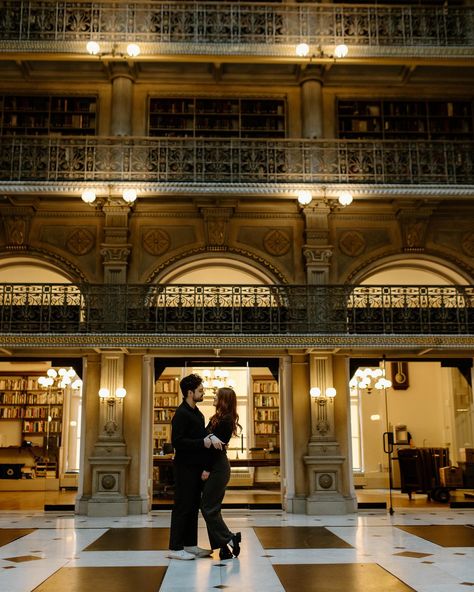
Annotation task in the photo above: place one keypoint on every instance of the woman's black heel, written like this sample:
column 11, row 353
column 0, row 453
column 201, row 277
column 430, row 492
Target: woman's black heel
column 225, row 553
column 235, row 543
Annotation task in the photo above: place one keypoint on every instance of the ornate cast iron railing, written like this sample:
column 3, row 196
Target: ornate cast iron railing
column 233, row 161
column 236, row 309
column 234, row 24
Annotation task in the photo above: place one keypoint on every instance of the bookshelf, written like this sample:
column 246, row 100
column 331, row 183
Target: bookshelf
column 407, row 119
column 217, row 117
column 166, row 398
column 47, row 115
column 266, row 412
column 23, row 400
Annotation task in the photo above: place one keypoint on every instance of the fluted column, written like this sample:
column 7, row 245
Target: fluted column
column 109, row 461
column 317, row 250
column 326, row 467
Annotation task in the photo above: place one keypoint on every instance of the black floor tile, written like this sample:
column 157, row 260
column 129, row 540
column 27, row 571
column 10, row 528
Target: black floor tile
column 339, row 577
column 299, row 537
column 132, row 539
column 443, row 535
column 7, row 535
column 105, row 579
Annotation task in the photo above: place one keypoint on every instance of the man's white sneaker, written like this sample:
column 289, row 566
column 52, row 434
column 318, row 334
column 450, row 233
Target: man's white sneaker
column 198, row 551
column 181, row 554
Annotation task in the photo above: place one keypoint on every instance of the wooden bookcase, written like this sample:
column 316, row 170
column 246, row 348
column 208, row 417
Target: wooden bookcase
column 217, row 117
column 166, row 398
column 48, row 115
column 25, row 402
column 407, row 119
column 266, row 412
column 23, row 399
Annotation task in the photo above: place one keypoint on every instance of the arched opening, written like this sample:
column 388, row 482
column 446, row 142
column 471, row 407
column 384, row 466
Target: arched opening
column 40, row 425
column 429, row 401
column 255, row 453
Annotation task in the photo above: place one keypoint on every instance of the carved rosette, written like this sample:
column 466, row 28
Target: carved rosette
column 352, row 243
column 80, row 241
column 156, row 241
column 277, row 242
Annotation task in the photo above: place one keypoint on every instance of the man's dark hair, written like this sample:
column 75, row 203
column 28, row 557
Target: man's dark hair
column 190, row 383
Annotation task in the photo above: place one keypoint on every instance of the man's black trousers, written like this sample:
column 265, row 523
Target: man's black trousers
column 187, row 499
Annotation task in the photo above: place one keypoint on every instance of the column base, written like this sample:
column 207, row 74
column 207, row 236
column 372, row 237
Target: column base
column 330, row 505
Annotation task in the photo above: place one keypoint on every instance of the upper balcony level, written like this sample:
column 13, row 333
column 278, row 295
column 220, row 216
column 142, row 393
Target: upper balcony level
column 155, row 166
column 228, row 36
column 275, row 316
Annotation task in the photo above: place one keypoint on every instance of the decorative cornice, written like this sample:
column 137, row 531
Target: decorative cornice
column 329, row 191
column 263, row 49
column 188, row 341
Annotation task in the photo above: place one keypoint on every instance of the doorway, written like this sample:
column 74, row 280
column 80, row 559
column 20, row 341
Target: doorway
column 428, row 409
column 254, row 453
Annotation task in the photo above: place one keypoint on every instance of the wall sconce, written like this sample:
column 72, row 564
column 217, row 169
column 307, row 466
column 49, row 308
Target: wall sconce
column 304, row 197
column 345, row 198
column 340, row 51
column 129, row 195
column 111, row 400
column 88, row 196
column 321, row 399
column 133, row 50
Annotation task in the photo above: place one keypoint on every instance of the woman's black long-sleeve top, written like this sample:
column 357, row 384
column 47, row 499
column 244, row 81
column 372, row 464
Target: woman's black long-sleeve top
column 187, row 435
column 223, row 430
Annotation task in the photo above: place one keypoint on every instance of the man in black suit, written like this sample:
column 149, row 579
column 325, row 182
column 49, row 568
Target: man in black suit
column 189, row 439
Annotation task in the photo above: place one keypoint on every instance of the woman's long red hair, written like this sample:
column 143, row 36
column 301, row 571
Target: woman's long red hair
column 226, row 407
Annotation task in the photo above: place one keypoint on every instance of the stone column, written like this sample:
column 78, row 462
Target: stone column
column 89, row 428
column 312, row 108
column 138, row 424
column 287, row 462
column 115, row 249
column 109, row 461
column 317, row 250
column 325, row 465
column 122, row 99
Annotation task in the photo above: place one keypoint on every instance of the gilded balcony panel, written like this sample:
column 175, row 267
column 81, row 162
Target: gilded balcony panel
column 229, row 27
column 224, row 162
column 236, row 310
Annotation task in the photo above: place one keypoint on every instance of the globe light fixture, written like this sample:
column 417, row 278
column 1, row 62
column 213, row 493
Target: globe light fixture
column 88, row 196
column 304, row 197
column 341, row 50
column 345, row 198
column 93, row 48
column 133, row 50
column 302, row 50
column 129, row 195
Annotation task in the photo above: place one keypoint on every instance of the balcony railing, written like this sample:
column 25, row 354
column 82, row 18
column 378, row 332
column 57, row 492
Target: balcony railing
column 235, row 24
column 233, row 161
column 236, row 310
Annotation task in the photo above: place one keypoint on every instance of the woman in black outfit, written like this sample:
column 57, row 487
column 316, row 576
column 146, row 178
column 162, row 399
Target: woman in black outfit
column 223, row 425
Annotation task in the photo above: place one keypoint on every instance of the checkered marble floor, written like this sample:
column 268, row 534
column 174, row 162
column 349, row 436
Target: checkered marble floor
column 370, row 551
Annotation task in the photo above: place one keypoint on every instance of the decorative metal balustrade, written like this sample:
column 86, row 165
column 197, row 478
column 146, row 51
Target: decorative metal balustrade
column 234, row 161
column 236, row 310
column 233, row 24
